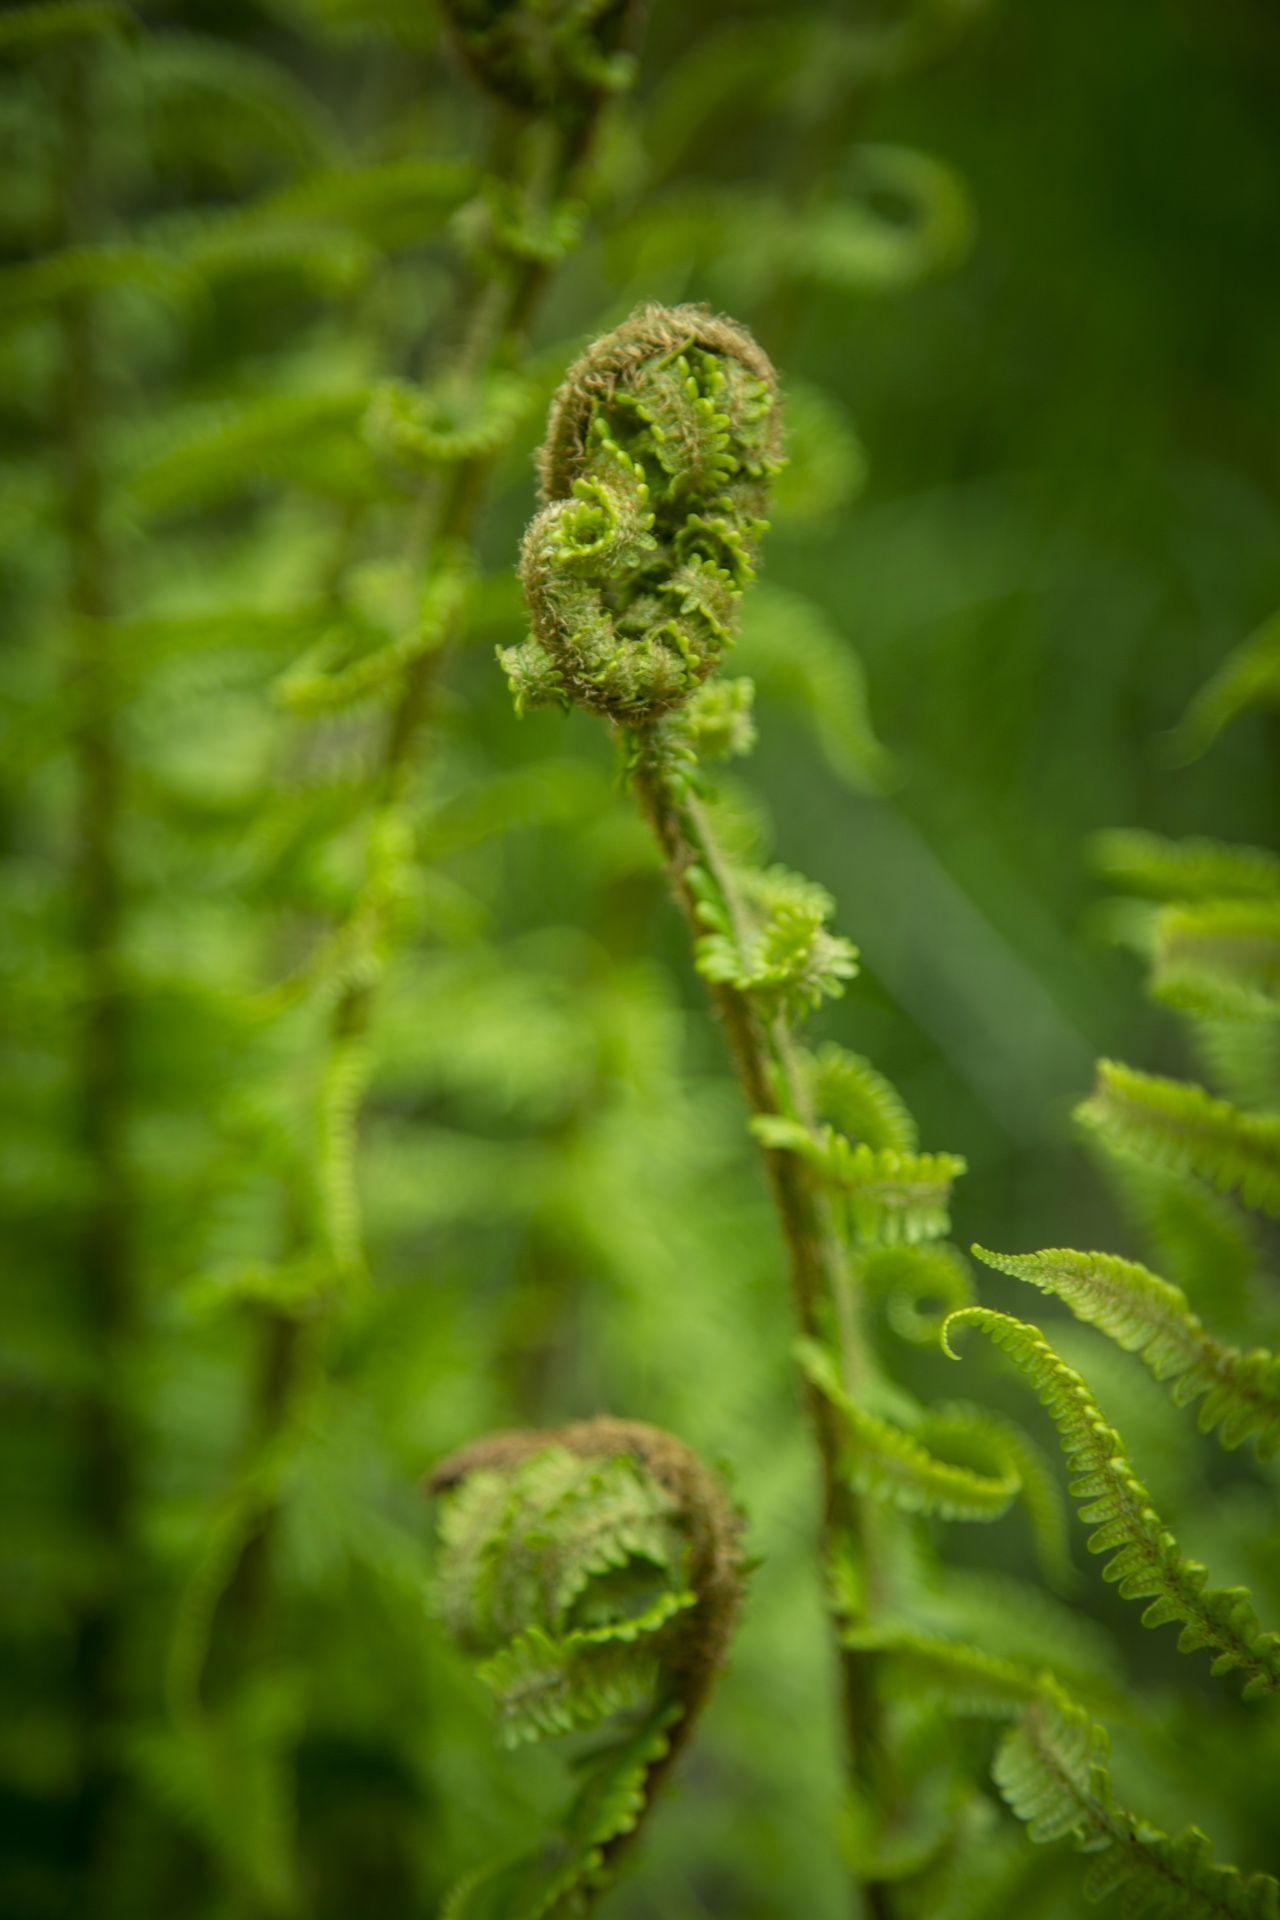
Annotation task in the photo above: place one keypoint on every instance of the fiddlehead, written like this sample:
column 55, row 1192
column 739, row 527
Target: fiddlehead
column 593, row 1570
column 659, row 449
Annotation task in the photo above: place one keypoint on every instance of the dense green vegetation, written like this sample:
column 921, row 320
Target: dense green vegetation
column 362, row 1090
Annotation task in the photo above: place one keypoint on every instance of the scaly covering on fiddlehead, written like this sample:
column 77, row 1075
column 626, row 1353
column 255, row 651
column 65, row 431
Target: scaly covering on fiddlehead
column 660, row 447
column 595, row 1569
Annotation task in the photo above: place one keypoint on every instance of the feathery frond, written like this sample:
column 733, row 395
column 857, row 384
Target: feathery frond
column 1150, row 1317
column 1148, row 1563
column 1194, row 869
column 1176, row 1124
column 890, row 1197
column 1052, row 1770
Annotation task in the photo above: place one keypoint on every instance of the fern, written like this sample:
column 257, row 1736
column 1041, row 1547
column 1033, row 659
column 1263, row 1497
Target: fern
column 597, row 1567
column 1194, row 869
column 856, row 1097
column 891, row 1197
column 1148, row 1316
column 921, row 1284
column 1178, row 1125
column 1147, row 1562
column 1052, row 1770
column 1250, row 678
column 1219, row 957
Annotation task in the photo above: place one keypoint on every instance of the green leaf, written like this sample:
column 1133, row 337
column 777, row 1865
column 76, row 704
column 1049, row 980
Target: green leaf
column 1176, row 1124
column 1219, row 957
column 1148, row 1316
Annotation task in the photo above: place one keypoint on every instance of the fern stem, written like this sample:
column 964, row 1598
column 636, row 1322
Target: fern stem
column 763, row 1059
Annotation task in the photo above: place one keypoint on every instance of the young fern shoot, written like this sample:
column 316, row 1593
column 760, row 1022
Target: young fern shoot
column 661, row 446
column 594, row 1571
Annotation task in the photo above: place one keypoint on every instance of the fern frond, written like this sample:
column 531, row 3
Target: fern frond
column 795, row 654
column 549, row 1685
column 1197, row 1236
column 318, row 683
column 891, row 1197
column 306, row 439
column 1148, row 1563
column 1176, row 1124
column 1219, row 957
column 392, row 204
column 857, row 1098
column 1150, row 1317
column 1052, row 1770
column 967, row 1680
column 890, row 1464
column 790, row 963
column 1195, row 869
column 920, row 1285
column 430, row 428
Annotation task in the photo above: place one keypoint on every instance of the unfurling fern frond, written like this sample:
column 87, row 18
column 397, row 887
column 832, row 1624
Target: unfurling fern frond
column 596, row 1569
column 920, row 1285
column 1176, row 1124
column 1148, row 1316
column 956, row 1461
column 1194, row 869
column 789, row 961
column 856, row 1097
column 967, row 1681
column 891, row 1197
column 659, row 449
column 1148, row 1563
column 1052, row 1771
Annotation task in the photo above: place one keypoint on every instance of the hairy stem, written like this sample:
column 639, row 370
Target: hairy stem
column 763, row 1058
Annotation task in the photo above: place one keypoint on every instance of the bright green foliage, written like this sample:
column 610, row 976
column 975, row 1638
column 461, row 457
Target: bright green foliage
column 1219, row 957
column 789, row 961
column 920, row 1284
column 890, row 1197
column 1148, row 1316
column 856, row 1097
column 1147, row 1563
column 1178, row 1125
column 957, row 1461
column 1052, row 1770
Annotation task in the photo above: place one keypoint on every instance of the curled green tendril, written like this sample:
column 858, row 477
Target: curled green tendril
column 660, row 448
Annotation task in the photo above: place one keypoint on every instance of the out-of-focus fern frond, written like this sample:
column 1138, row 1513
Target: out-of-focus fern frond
column 1219, row 957
column 186, row 74
column 826, row 462
column 1176, row 1124
column 1052, row 1770
column 856, row 1097
column 302, row 439
column 921, row 1285
column 1194, row 869
column 1147, row 1316
column 794, row 654
column 1147, row 1563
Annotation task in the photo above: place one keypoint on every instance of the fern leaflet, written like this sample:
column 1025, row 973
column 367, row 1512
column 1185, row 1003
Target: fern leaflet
column 890, row 1197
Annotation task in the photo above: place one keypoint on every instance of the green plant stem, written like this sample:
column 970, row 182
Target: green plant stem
column 105, row 1251
column 763, row 1058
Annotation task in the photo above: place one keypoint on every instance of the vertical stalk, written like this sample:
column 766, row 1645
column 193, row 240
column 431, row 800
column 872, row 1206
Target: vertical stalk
column 764, row 1060
column 104, row 1256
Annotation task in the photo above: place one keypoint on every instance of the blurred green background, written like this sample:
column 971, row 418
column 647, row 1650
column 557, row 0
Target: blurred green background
column 1035, row 382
